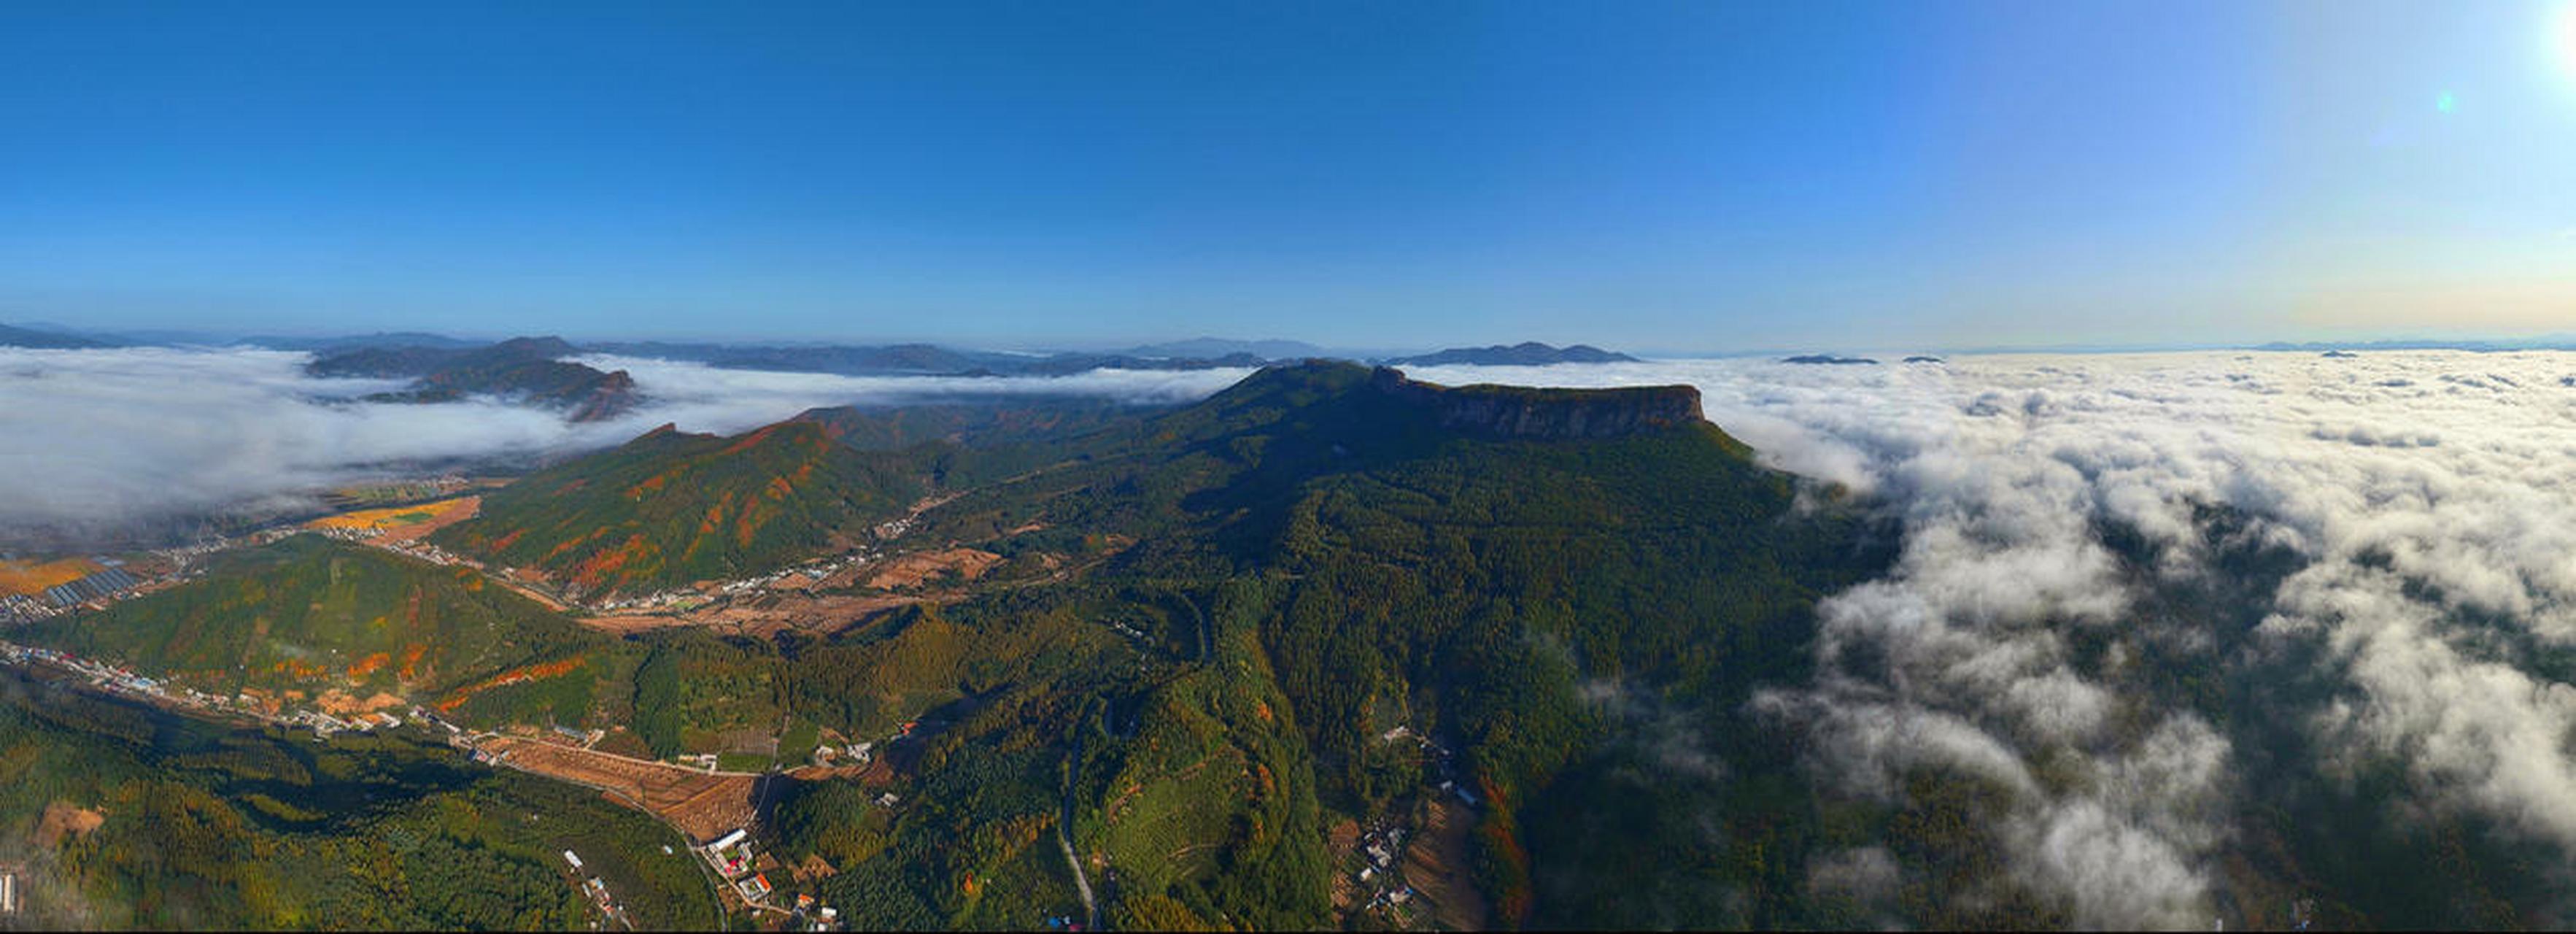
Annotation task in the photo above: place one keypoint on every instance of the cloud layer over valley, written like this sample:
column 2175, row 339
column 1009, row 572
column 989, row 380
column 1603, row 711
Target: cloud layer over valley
column 2146, row 599
column 2169, row 615
column 100, row 439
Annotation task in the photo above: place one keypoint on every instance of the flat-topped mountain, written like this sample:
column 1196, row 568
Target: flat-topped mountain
column 1531, row 353
column 1524, row 412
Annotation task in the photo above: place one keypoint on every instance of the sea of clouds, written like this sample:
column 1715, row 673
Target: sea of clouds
column 97, row 440
column 2427, row 499
column 2428, row 502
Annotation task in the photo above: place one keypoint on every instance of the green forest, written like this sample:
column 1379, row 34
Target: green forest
column 124, row 816
column 1317, row 602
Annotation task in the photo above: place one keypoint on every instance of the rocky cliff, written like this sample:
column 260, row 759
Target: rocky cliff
column 1524, row 412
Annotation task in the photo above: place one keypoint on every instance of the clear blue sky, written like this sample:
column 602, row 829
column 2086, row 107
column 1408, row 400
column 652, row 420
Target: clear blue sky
column 1709, row 175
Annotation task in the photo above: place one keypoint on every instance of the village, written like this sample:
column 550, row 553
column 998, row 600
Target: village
column 717, row 811
column 1405, row 867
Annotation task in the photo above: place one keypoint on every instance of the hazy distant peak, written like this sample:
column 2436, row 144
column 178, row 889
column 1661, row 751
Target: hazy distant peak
column 1527, row 353
column 1214, row 347
column 30, row 337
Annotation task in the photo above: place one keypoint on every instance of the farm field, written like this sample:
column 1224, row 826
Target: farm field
column 30, row 578
column 402, row 523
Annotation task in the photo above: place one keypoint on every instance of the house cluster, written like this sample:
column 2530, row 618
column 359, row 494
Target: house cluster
column 1380, row 849
column 115, row 678
column 732, row 858
column 811, row 915
column 597, row 891
column 19, row 609
column 685, row 599
column 111, row 581
column 860, row 753
column 324, row 724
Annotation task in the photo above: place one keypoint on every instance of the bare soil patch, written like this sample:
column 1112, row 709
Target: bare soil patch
column 913, row 569
column 342, row 704
column 702, row 806
column 64, row 819
column 1339, row 842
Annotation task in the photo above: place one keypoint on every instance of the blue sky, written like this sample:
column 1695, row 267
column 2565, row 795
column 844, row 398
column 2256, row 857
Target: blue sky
column 1686, row 176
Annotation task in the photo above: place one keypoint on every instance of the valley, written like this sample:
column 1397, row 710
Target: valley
column 1086, row 640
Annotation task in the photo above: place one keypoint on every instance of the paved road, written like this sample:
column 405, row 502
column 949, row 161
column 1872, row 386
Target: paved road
column 1064, row 835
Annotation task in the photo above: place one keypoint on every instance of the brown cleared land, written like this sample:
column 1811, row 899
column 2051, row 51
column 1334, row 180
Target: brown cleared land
column 20, row 577
column 701, row 805
column 1340, row 843
column 783, row 611
column 913, row 569
column 1437, row 866
column 63, row 819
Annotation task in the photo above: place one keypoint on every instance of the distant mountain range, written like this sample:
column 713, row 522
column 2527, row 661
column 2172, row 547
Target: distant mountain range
column 44, row 340
column 1211, row 347
column 361, row 341
column 1526, row 354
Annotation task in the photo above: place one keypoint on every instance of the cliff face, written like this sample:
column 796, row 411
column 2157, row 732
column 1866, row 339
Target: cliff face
column 1523, row 412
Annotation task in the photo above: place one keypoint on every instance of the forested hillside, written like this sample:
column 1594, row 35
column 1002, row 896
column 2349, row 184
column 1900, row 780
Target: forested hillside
column 670, row 508
column 312, row 614
column 1326, row 597
column 119, row 816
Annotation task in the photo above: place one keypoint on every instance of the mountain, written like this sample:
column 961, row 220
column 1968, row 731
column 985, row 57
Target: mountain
column 1213, row 347
column 525, row 368
column 385, row 339
column 1467, row 564
column 45, row 340
column 1218, row 636
column 1526, row 354
column 900, row 359
column 916, row 359
column 1828, row 360
column 315, row 615
column 671, row 508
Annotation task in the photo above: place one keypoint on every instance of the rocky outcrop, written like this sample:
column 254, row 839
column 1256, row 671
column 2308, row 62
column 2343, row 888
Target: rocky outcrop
column 1525, row 412
column 609, row 396
column 524, row 369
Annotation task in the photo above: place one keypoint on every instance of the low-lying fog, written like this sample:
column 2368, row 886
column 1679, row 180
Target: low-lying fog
column 2422, row 506
column 2426, row 501
column 95, row 440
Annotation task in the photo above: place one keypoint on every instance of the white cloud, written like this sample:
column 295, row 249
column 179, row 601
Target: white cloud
column 91, row 440
column 2429, row 498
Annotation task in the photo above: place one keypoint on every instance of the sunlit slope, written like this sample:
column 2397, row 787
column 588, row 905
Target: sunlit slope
column 668, row 508
column 1507, row 569
column 312, row 614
